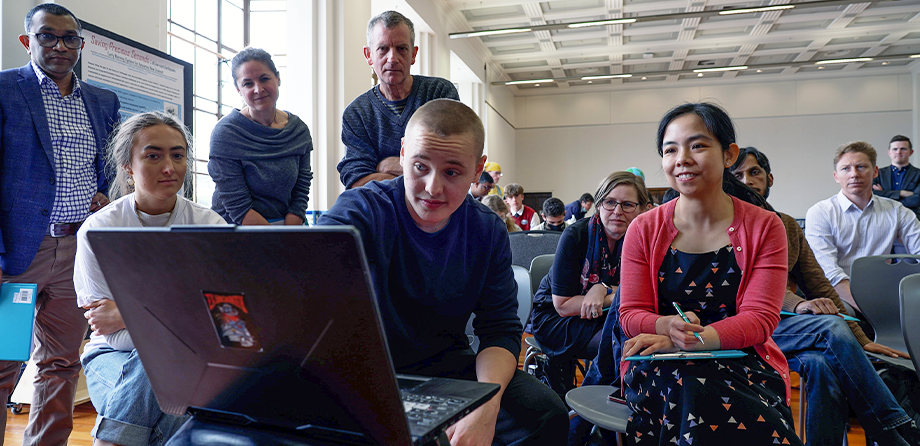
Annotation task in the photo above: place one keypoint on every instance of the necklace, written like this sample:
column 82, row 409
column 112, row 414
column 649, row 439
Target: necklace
column 141, row 218
column 248, row 113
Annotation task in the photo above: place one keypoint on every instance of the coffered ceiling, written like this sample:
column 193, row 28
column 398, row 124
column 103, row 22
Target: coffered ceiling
column 671, row 39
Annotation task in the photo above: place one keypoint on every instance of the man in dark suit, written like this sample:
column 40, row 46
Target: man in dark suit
column 899, row 181
column 53, row 130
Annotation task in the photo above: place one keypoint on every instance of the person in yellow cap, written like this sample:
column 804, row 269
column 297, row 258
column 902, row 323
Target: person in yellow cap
column 493, row 169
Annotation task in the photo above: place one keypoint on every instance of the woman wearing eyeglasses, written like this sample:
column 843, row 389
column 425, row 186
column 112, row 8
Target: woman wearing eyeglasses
column 260, row 155
column 570, row 304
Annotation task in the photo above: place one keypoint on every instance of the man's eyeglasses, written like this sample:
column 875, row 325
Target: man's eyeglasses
column 50, row 40
column 627, row 207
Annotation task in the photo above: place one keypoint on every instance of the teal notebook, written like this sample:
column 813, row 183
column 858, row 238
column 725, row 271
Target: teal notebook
column 17, row 312
column 844, row 316
column 684, row 356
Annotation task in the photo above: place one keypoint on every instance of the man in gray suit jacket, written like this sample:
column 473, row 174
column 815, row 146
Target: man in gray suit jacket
column 899, row 181
column 53, row 130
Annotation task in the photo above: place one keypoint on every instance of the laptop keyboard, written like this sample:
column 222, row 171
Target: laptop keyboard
column 428, row 410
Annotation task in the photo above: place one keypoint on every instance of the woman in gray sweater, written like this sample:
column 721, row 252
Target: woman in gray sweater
column 260, row 155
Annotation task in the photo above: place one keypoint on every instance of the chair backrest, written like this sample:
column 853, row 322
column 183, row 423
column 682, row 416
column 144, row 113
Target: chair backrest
column 526, row 245
column 524, row 298
column 874, row 282
column 525, row 293
column 910, row 311
column 539, row 268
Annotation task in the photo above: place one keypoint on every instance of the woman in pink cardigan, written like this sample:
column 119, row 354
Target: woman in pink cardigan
column 723, row 261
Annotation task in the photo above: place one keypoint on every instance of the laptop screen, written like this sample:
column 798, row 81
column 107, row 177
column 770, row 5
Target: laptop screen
column 276, row 325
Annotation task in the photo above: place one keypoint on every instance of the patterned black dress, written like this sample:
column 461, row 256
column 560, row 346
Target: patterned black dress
column 705, row 402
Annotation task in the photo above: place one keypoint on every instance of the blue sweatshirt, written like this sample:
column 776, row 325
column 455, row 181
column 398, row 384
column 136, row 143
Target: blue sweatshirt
column 428, row 285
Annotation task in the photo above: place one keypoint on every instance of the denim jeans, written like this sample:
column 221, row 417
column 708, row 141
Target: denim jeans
column 128, row 410
column 836, row 370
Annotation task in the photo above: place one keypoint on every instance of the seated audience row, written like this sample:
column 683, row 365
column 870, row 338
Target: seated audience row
column 828, row 352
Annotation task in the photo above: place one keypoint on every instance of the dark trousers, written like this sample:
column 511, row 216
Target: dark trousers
column 531, row 413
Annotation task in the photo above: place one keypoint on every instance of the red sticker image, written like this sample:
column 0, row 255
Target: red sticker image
column 232, row 320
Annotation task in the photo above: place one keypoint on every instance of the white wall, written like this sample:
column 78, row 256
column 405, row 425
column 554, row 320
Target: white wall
column 567, row 143
column 12, row 13
column 501, row 136
column 140, row 20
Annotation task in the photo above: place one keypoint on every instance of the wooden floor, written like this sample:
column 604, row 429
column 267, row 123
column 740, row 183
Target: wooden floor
column 85, row 416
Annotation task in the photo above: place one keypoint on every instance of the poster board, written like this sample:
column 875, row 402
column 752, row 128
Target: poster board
column 144, row 78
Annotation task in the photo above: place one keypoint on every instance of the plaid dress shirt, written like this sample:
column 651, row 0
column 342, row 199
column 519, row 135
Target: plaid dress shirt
column 74, row 150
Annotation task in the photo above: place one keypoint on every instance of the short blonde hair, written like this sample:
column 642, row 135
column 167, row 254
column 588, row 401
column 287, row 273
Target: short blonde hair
column 856, row 147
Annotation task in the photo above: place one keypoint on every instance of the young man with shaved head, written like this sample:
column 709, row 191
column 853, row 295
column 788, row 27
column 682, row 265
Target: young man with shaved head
column 436, row 257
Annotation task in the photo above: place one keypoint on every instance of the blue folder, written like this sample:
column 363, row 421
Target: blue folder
column 17, row 312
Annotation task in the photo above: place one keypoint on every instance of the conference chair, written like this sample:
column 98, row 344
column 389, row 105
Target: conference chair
column 539, row 268
column 874, row 282
column 910, row 314
column 526, row 245
column 524, row 298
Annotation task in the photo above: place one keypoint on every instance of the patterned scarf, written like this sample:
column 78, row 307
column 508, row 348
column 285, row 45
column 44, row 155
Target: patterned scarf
column 598, row 265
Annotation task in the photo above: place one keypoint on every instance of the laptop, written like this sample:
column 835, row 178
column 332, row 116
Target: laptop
column 271, row 328
column 17, row 313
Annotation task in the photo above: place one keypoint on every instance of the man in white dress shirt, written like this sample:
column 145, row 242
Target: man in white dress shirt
column 855, row 223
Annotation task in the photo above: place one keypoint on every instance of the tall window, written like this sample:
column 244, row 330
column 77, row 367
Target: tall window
column 208, row 33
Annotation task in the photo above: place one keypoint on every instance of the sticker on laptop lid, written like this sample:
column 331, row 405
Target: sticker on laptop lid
column 232, row 320
column 23, row 296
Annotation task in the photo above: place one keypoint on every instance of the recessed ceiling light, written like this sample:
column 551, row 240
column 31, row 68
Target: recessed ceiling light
column 750, row 10
column 495, row 32
column 699, row 74
column 821, row 67
column 590, row 82
column 536, row 85
column 736, row 68
column 855, row 59
column 605, row 76
column 760, row 71
column 531, row 81
column 885, row 63
column 601, row 22
column 644, row 78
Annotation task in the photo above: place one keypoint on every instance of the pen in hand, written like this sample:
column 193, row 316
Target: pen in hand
column 684, row 317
